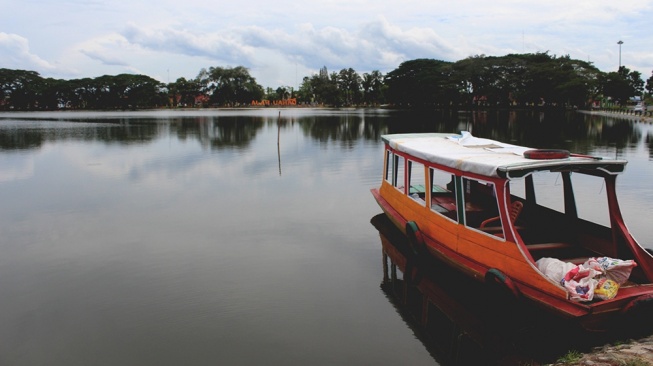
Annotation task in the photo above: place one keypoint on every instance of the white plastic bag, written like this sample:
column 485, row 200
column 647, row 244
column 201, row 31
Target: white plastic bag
column 554, row 268
column 581, row 283
column 617, row 270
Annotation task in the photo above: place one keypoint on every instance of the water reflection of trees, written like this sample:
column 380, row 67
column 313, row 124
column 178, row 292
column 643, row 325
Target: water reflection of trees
column 344, row 129
column 218, row 132
column 569, row 130
column 20, row 140
column 564, row 130
column 30, row 138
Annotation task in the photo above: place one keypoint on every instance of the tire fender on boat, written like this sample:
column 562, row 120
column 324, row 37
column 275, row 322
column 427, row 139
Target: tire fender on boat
column 415, row 242
column 496, row 279
column 544, row 154
column 415, row 237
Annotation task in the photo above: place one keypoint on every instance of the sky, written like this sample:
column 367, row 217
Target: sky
column 282, row 41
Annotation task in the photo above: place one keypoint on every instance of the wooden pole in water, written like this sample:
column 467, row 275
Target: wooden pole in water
column 278, row 142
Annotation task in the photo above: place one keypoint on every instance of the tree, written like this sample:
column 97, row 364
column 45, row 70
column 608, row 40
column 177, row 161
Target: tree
column 52, row 94
column 579, row 84
column 125, row 91
column 321, row 88
column 183, row 92
column 283, row 93
column 537, row 79
column 143, row 91
column 635, row 81
column 349, row 85
column 649, row 85
column 525, row 80
column 230, row 86
column 622, row 85
column 372, row 85
column 558, row 81
column 306, row 94
column 20, row 88
column 420, row 83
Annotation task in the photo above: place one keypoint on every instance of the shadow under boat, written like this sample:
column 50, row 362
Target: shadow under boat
column 465, row 322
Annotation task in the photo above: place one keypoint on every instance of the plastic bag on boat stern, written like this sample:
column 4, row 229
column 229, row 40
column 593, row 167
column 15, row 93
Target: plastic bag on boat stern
column 617, row 270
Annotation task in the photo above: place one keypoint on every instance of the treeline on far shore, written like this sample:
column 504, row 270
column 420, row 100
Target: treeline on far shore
column 515, row 80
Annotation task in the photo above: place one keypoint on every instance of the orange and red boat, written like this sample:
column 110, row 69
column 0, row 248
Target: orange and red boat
column 498, row 211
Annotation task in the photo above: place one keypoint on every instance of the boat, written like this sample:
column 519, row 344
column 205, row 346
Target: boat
column 541, row 225
column 441, row 306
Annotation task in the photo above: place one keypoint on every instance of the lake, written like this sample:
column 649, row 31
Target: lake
column 232, row 237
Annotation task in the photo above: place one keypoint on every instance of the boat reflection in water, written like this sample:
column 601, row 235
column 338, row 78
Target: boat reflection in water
column 466, row 322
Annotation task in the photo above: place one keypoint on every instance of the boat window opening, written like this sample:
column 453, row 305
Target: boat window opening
column 398, row 166
column 591, row 198
column 548, row 187
column 518, row 188
column 443, row 200
column 482, row 207
column 387, row 174
column 417, row 182
column 548, row 220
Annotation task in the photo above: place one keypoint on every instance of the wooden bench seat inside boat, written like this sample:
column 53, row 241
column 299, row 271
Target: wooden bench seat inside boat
column 564, row 251
column 553, row 250
column 420, row 188
column 548, row 246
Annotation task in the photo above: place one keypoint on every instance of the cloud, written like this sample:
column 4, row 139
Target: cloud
column 225, row 45
column 109, row 50
column 412, row 43
column 282, row 42
column 375, row 45
column 15, row 53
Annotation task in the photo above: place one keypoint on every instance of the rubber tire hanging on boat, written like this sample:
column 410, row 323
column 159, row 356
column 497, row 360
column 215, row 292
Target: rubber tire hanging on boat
column 543, row 154
column 496, row 279
column 415, row 237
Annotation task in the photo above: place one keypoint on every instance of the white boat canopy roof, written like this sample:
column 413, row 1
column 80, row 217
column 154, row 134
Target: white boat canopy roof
column 492, row 158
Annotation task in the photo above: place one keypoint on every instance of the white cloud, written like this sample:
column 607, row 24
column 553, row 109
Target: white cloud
column 225, row 45
column 109, row 50
column 15, row 54
column 258, row 48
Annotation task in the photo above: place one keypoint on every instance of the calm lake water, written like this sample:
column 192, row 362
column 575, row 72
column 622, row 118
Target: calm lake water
column 232, row 237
